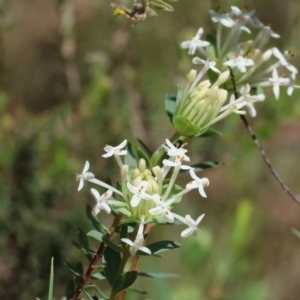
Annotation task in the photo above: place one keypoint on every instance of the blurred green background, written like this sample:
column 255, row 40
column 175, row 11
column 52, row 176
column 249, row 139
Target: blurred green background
column 73, row 79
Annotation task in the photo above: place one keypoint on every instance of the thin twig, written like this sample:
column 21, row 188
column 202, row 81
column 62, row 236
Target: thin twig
column 261, row 150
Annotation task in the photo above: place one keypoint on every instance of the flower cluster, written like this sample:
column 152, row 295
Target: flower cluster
column 251, row 63
column 200, row 104
column 145, row 195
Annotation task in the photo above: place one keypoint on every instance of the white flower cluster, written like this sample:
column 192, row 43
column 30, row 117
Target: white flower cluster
column 250, row 62
column 144, row 194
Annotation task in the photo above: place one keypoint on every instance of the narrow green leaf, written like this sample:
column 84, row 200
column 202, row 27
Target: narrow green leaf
column 170, row 105
column 130, row 157
column 102, row 238
column 210, row 132
column 77, row 270
column 83, row 248
column 110, row 244
column 204, row 165
column 82, row 238
column 158, row 275
column 89, row 297
column 98, row 276
column 124, row 281
column 135, row 290
column 101, row 293
column 145, row 147
column 112, row 263
column 162, row 246
column 93, row 220
column 95, row 235
column 50, row 294
column 70, row 289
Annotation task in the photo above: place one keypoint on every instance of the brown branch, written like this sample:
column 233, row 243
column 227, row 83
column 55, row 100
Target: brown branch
column 96, row 257
column 261, row 150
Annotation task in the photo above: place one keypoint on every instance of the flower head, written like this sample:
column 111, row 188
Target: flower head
column 85, row 175
column 195, row 43
column 118, row 150
column 162, row 207
column 193, row 226
column 198, row 183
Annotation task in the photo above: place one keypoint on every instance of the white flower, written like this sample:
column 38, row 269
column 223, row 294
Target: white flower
column 277, row 81
column 250, row 99
column 136, row 245
column 240, row 62
column 284, row 62
column 174, row 151
column 244, row 17
column 84, row 175
column 209, row 64
column 162, row 207
column 103, row 202
column 198, row 183
column 195, row 43
column 118, row 150
column 139, row 193
column 176, row 163
column 193, row 226
column 224, row 19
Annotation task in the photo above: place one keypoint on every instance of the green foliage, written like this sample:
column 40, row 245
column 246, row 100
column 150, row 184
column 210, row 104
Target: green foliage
column 112, row 264
column 51, row 287
column 124, row 281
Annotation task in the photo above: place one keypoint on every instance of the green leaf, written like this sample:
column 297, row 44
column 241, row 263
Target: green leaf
column 82, row 238
column 102, row 238
column 124, row 281
column 162, row 246
column 77, row 270
column 101, row 293
column 84, row 249
column 170, row 105
column 89, row 297
column 179, row 95
column 142, row 154
column 93, row 220
column 185, row 128
column 124, row 211
column 110, row 244
column 98, row 276
column 210, row 132
column 50, row 294
column 95, row 235
column 158, row 275
column 112, row 264
column 70, row 289
column 135, row 290
column 130, row 157
column 204, row 165
column 146, row 149
column 296, row 232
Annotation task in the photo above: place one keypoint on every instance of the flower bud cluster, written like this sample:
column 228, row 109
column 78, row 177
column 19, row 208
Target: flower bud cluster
column 145, row 196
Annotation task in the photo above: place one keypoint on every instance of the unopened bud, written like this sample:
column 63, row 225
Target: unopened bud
column 223, row 78
column 223, row 94
column 142, row 165
column 191, row 75
column 267, row 55
column 157, row 171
